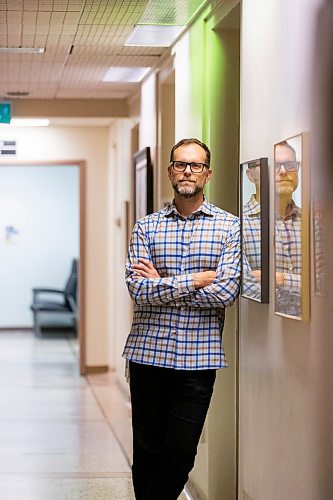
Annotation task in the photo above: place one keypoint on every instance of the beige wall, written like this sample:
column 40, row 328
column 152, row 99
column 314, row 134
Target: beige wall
column 148, row 116
column 69, row 108
column 280, row 362
column 322, row 176
column 166, row 141
column 118, row 192
column 89, row 144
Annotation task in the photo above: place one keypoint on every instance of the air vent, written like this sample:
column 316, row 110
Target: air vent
column 18, row 94
column 7, row 148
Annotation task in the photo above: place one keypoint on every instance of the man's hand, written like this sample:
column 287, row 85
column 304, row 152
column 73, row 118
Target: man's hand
column 145, row 269
column 279, row 279
column 204, row 278
column 257, row 275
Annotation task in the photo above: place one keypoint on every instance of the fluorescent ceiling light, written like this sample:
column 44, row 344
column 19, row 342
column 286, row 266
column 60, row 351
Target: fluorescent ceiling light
column 122, row 74
column 147, row 35
column 175, row 13
column 29, row 122
column 22, row 50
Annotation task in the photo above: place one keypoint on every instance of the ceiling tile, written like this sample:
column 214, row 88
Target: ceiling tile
column 83, row 38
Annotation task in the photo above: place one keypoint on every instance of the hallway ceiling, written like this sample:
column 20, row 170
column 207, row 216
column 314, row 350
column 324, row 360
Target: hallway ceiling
column 82, row 39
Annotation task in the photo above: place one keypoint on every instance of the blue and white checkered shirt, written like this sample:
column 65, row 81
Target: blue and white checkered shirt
column 174, row 324
column 252, row 232
column 288, row 260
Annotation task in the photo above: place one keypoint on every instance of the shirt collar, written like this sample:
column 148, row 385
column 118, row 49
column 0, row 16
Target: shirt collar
column 293, row 212
column 205, row 208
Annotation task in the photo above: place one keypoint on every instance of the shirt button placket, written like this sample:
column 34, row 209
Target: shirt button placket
column 182, row 312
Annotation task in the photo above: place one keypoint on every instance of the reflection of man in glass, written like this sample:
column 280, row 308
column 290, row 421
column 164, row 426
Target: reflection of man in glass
column 288, row 258
column 251, row 221
column 251, row 235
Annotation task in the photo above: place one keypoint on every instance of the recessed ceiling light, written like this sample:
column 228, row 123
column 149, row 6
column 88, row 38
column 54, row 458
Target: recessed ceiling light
column 22, row 50
column 147, row 35
column 125, row 74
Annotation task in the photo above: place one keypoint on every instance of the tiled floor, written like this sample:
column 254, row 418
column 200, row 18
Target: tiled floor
column 62, row 436
column 56, row 440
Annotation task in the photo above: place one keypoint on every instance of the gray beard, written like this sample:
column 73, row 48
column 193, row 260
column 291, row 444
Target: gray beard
column 187, row 192
column 285, row 189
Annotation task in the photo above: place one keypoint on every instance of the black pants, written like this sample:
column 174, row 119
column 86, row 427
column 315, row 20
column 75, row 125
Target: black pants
column 169, row 408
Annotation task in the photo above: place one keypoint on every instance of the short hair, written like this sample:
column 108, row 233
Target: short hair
column 192, row 140
column 286, row 144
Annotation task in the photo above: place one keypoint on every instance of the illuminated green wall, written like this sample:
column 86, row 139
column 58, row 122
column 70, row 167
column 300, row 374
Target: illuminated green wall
column 214, row 101
column 221, row 114
column 208, row 68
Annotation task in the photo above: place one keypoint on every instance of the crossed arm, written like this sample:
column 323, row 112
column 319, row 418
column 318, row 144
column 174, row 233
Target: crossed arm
column 145, row 269
column 217, row 288
column 289, row 281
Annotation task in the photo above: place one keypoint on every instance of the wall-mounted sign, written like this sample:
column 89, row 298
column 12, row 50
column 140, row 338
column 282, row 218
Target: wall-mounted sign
column 5, row 114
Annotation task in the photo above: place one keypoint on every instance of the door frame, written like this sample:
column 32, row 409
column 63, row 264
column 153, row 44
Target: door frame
column 165, row 120
column 81, row 164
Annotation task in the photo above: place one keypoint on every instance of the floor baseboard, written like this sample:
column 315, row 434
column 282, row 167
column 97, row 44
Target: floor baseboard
column 91, row 370
column 16, row 329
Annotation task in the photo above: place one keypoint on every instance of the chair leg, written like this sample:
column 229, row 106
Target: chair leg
column 74, row 321
column 37, row 326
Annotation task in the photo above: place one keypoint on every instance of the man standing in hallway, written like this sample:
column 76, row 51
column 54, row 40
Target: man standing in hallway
column 182, row 271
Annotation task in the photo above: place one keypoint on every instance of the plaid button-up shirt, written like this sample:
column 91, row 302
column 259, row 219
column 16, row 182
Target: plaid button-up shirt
column 252, row 232
column 288, row 260
column 174, row 324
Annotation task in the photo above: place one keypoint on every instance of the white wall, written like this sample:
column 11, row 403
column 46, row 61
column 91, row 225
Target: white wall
column 71, row 144
column 42, row 204
column 280, row 364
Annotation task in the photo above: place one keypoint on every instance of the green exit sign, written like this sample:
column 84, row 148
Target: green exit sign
column 5, row 114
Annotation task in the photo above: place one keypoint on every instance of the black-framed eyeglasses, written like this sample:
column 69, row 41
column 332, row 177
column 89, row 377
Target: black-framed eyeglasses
column 289, row 166
column 195, row 167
